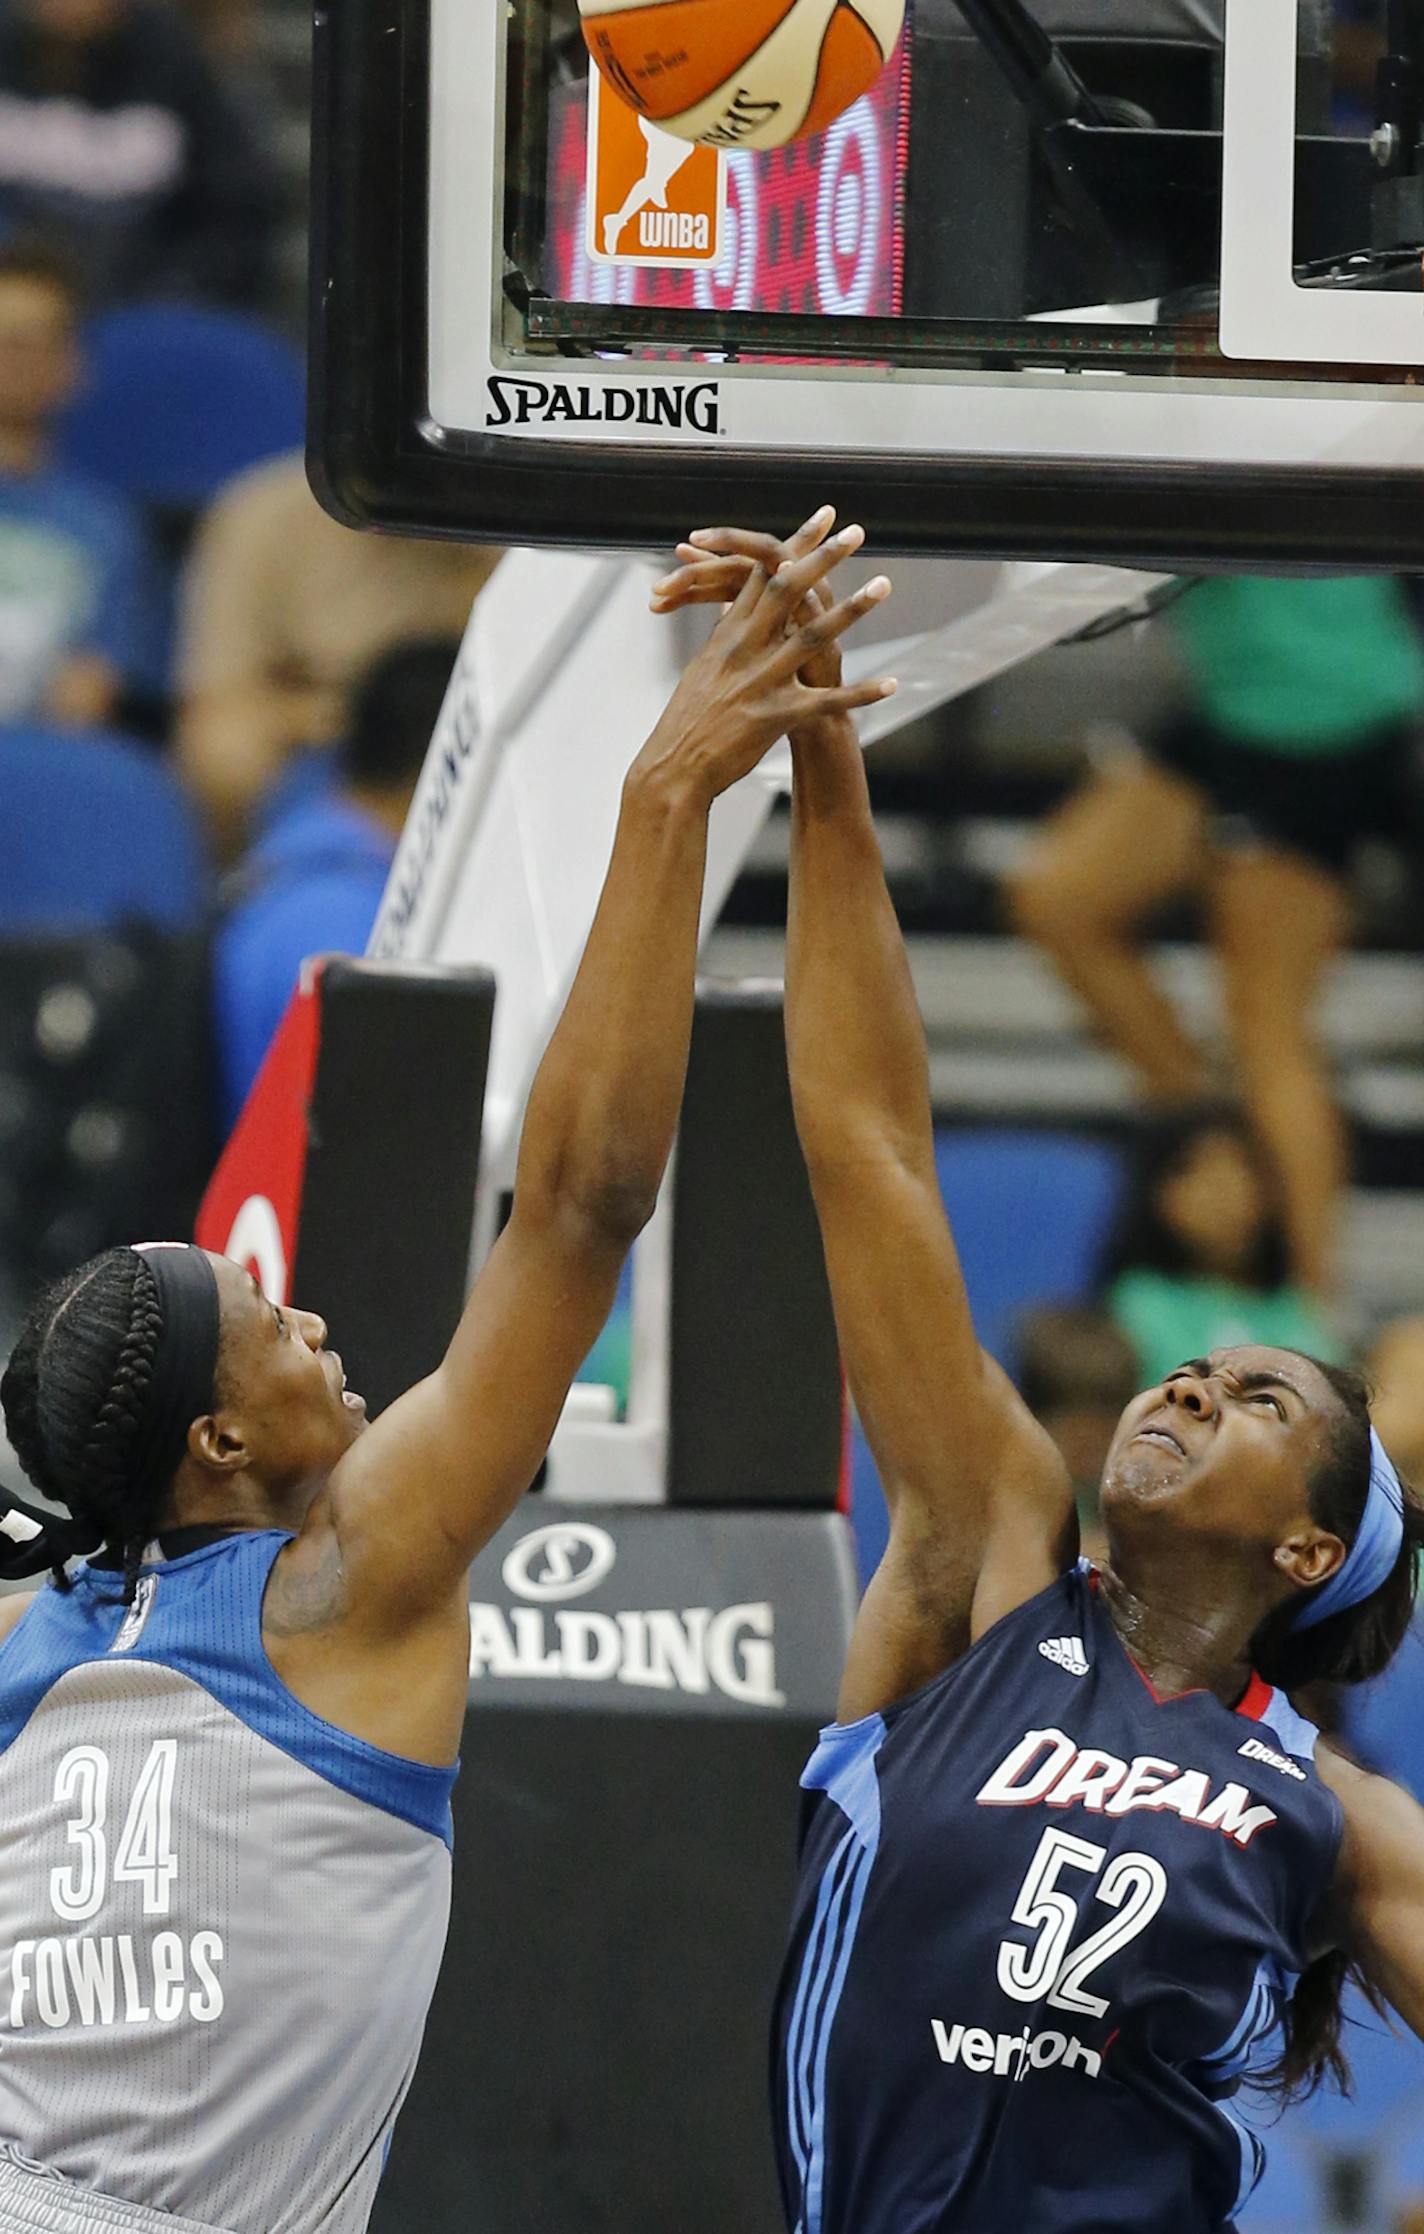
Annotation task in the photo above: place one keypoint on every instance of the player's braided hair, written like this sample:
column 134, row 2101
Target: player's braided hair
column 1349, row 1647
column 74, row 1395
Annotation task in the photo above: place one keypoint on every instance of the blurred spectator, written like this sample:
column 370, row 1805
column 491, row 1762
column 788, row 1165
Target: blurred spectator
column 1301, row 741
column 80, row 618
column 1077, row 1373
column 1395, row 1369
column 314, row 882
column 1199, row 1260
column 114, row 127
column 284, row 608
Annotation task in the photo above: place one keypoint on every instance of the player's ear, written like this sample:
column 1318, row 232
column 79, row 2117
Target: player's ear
column 218, row 1443
column 1310, row 1556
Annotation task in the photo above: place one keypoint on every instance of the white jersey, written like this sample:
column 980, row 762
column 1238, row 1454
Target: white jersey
column 221, row 1918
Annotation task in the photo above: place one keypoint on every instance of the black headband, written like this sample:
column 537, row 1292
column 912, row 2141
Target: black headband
column 186, row 1361
column 33, row 1539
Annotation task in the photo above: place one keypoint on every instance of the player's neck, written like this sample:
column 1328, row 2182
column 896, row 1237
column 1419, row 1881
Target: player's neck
column 238, row 1502
column 1182, row 1638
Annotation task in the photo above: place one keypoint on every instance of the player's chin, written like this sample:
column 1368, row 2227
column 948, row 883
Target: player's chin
column 1141, row 1481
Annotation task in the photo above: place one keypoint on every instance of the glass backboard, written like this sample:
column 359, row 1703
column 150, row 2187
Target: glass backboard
column 1128, row 279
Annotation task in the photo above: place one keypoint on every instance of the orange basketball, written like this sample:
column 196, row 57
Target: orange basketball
column 741, row 73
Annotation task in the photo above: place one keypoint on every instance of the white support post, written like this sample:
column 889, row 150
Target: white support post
column 563, row 671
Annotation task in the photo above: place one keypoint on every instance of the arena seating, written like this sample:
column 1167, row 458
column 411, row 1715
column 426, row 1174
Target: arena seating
column 180, row 398
column 94, row 831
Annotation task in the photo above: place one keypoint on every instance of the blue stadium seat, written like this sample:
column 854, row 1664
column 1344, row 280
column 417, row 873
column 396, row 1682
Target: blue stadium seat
column 94, row 832
column 1381, row 1720
column 1031, row 1213
column 179, row 399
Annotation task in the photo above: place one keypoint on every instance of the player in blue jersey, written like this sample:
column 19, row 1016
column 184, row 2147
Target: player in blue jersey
column 1069, row 1857
column 226, row 1755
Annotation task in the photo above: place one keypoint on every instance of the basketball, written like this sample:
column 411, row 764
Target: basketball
column 741, row 73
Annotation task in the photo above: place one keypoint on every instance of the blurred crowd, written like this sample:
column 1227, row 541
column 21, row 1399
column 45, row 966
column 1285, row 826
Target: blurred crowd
column 214, row 702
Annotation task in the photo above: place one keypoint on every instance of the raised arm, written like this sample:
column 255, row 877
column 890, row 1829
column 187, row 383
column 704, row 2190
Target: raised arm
column 1378, row 1907
column 980, row 1506
column 417, row 1495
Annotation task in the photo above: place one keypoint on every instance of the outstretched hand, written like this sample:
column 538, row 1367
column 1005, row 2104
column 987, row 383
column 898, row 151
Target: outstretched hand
column 718, row 560
column 773, row 661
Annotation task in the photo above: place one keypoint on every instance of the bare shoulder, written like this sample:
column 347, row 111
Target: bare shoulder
column 1384, row 1824
column 1346, row 1779
column 13, row 1610
column 1362, row 1792
column 398, row 1686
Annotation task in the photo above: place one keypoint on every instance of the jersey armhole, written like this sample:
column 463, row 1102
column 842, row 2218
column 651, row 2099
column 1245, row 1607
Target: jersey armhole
column 890, row 1713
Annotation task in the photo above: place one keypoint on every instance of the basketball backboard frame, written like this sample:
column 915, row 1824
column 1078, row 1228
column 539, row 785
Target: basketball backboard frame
column 410, row 431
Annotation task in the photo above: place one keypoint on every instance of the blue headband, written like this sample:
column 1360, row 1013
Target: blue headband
column 1374, row 1551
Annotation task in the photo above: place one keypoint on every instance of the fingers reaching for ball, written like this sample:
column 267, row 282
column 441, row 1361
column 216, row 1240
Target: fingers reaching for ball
column 719, row 565
column 772, row 665
column 716, row 560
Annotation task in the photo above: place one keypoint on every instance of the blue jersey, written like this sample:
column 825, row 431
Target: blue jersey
column 1045, row 1924
column 221, row 1916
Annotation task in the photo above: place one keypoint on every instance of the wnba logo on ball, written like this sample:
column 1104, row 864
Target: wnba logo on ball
column 651, row 199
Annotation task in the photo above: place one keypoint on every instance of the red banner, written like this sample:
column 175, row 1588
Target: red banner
column 254, row 1199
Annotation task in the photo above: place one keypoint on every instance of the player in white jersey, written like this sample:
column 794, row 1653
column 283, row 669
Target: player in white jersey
column 226, row 1756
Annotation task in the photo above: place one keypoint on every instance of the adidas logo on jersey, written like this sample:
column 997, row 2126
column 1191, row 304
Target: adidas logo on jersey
column 1066, row 1653
column 1254, row 1750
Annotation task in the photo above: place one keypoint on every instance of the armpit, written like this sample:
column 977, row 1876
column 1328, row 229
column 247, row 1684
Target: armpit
column 307, row 1589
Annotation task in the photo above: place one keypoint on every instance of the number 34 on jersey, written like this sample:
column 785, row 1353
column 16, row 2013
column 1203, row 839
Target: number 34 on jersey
column 115, row 1839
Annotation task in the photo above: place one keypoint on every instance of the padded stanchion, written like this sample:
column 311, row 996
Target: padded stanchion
column 349, row 1182
column 646, row 1687
column 755, row 1412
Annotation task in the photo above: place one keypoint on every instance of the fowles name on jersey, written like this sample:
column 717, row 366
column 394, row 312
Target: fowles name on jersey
column 116, row 1978
column 1048, row 1768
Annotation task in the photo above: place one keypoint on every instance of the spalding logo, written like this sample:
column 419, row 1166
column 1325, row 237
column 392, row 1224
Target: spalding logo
column 561, row 1561
column 677, row 406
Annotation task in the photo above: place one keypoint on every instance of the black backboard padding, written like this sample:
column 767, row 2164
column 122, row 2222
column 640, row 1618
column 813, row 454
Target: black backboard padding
column 755, row 1407
column 596, row 2056
column 392, row 1160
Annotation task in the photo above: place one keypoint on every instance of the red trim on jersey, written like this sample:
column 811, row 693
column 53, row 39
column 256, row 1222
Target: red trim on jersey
column 1255, row 1699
